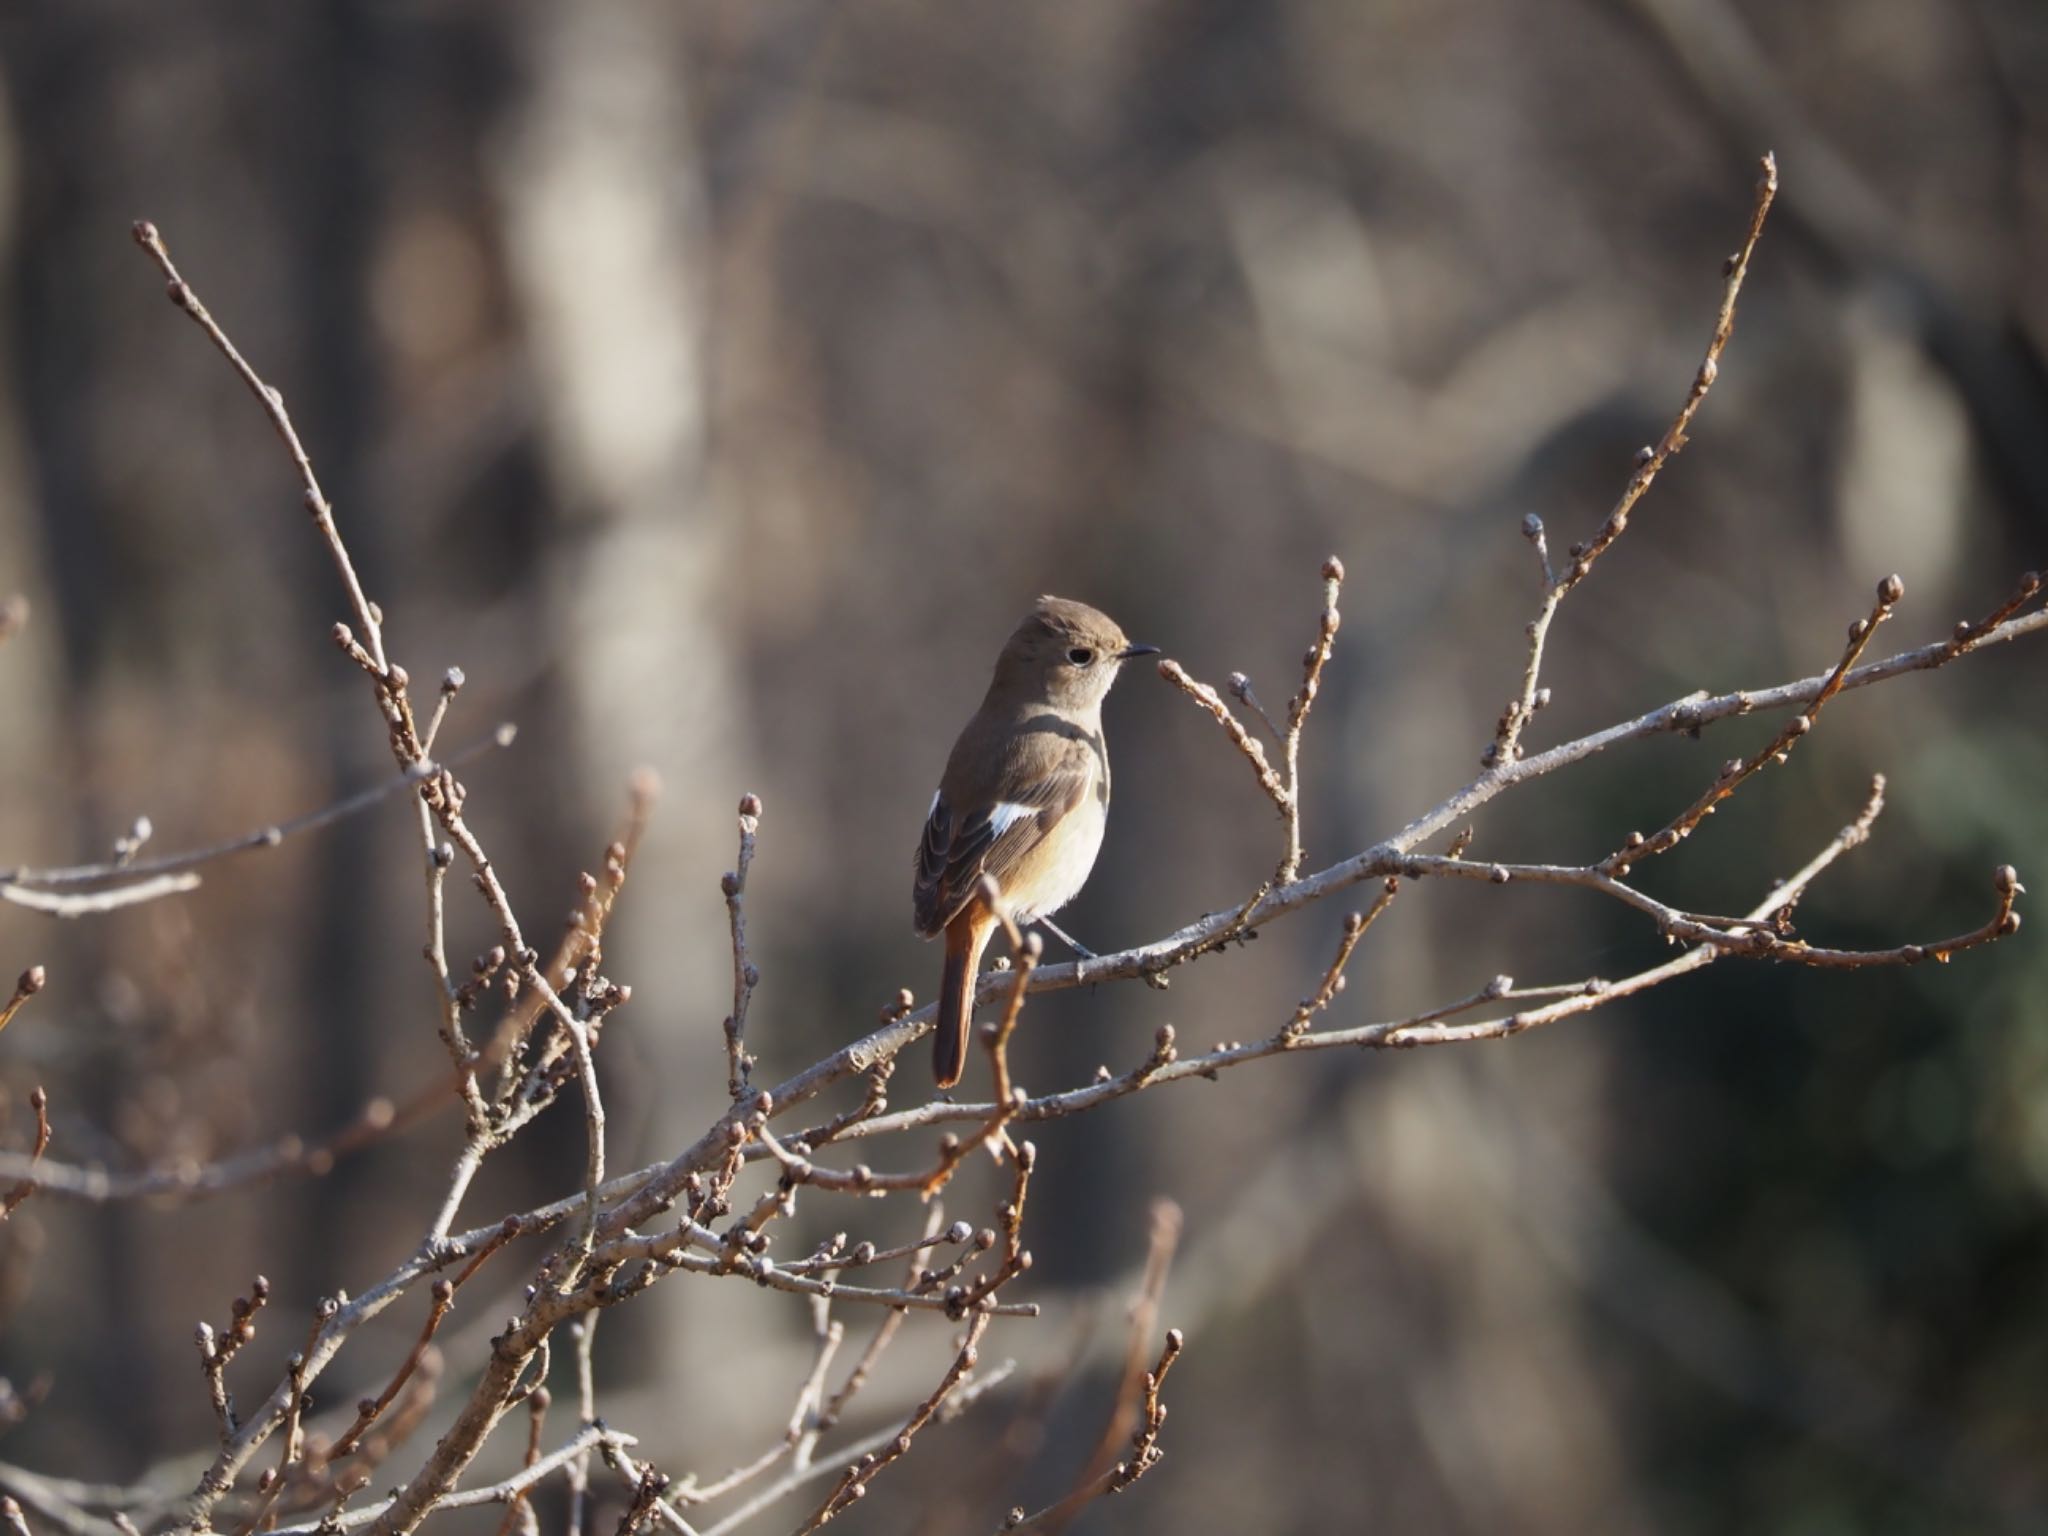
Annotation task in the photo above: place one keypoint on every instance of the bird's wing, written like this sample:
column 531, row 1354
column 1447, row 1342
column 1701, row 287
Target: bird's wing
column 958, row 849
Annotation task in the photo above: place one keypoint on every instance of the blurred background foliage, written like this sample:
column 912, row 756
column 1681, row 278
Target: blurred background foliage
column 716, row 382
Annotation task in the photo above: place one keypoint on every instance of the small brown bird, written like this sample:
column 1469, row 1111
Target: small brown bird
column 1023, row 800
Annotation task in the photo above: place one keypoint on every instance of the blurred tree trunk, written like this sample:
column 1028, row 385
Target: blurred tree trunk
column 604, row 224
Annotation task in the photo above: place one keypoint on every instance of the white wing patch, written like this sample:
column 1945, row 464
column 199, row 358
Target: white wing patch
column 1006, row 813
column 936, row 797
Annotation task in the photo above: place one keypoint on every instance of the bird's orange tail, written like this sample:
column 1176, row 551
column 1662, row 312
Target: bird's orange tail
column 966, row 936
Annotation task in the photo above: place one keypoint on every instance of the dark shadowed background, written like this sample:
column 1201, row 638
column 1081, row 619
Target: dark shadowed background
column 716, row 383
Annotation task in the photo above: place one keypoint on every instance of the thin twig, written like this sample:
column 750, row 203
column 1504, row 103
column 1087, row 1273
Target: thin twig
column 217, row 1350
column 1506, row 747
column 885, row 1333
column 21, row 1189
column 853, row 1484
column 1972, row 631
column 587, row 1438
column 267, row 836
column 1890, row 592
column 959, row 1402
column 1149, row 1414
column 93, row 903
column 803, row 1425
column 443, row 1299
column 378, row 1119
column 1283, row 788
column 745, row 977
column 1137, row 1390
column 583, row 1331
column 519, row 1514
column 1207, row 697
column 1241, row 690
column 840, row 1258
column 670, row 1249
column 1312, row 664
column 461, row 1058
column 272, row 401
column 1355, row 924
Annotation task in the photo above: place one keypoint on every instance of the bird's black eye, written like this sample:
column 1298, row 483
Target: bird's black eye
column 1080, row 655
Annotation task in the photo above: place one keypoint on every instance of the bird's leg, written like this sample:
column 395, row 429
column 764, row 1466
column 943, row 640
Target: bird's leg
column 1066, row 938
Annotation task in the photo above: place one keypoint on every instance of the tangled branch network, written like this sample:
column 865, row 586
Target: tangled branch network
column 712, row 1209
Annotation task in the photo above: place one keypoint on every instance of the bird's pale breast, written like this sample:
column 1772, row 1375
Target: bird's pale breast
column 1052, row 872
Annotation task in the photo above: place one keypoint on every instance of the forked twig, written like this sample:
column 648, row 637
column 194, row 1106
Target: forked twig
column 1506, row 746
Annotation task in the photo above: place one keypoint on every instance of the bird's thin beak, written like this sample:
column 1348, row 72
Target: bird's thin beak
column 1136, row 650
